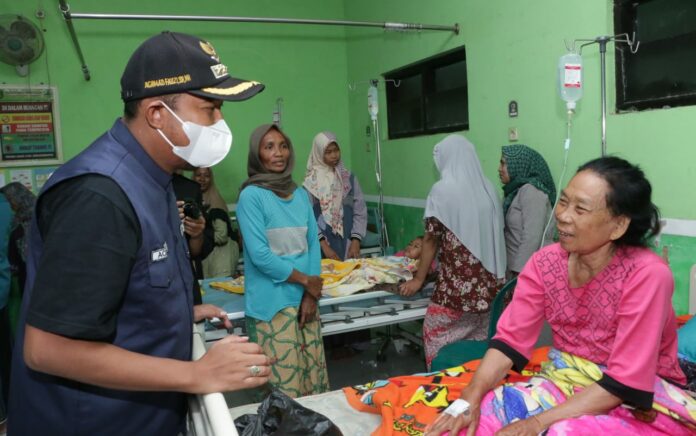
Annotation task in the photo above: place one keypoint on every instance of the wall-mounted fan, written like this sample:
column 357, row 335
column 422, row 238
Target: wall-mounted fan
column 21, row 42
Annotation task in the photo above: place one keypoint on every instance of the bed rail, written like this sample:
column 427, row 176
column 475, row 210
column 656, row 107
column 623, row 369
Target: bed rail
column 208, row 414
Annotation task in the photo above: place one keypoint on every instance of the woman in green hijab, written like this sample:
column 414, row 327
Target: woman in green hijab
column 529, row 195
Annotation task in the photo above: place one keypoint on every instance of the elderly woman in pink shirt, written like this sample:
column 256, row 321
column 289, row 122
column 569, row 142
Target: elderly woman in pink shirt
column 607, row 299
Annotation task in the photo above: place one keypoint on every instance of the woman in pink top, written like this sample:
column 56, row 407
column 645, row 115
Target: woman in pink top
column 607, row 299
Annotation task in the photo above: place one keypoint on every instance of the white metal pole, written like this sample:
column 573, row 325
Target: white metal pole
column 384, row 242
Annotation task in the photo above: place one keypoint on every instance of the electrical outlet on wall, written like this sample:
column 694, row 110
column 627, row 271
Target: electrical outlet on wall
column 512, row 134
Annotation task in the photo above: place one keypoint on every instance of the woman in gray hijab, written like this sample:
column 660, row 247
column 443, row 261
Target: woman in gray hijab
column 282, row 263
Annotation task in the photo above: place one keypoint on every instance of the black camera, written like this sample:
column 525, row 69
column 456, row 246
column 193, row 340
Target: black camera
column 192, row 210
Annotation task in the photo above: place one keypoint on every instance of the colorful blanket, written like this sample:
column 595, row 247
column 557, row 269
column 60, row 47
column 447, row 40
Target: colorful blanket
column 354, row 275
column 348, row 277
column 408, row 404
column 234, row 286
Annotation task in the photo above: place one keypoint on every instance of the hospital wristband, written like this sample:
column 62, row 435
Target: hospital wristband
column 458, row 407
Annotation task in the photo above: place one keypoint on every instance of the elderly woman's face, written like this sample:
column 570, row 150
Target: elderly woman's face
column 584, row 222
column 202, row 176
column 274, row 152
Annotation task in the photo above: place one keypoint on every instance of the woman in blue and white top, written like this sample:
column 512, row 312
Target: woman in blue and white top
column 282, row 263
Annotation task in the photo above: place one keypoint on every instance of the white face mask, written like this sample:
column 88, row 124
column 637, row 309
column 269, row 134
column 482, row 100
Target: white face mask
column 207, row 145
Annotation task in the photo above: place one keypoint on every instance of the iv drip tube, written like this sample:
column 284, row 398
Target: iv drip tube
column 384, row 241
column 566, row 149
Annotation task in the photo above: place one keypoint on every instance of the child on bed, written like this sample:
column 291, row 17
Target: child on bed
column 413, row 251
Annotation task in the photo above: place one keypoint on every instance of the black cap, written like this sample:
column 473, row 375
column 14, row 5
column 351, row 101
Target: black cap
column 171, row 63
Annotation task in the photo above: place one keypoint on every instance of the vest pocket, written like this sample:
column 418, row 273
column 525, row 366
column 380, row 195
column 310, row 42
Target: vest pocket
column 159, row 274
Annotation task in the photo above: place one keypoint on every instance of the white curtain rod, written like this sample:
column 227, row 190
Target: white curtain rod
column 69, row 16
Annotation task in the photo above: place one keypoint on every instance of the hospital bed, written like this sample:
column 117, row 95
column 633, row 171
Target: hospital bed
column 210, row 416
column 358, row 311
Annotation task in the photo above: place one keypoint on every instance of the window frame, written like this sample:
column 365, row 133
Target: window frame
column 426, row 68
column 625, row 12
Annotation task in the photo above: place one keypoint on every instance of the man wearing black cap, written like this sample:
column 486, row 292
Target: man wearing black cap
column 104, row 344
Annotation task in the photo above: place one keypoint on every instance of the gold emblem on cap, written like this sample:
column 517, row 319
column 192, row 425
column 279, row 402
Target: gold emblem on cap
column 233, row 90
column 209, row 50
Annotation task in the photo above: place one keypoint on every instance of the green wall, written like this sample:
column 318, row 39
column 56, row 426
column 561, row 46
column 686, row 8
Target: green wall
column 512, row 53
column 303, row 65
column 512, row 50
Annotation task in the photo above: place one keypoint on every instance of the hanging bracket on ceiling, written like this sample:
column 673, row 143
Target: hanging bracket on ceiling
column 354, row 85
column 70, row 16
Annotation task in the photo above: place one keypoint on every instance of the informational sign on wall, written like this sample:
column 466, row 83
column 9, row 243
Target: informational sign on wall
column 29, row 126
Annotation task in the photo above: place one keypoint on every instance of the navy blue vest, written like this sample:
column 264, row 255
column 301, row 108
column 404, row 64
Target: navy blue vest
column 155, row 318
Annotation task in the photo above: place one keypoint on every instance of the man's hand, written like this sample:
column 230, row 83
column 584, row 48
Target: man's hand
column 209, row 311
column 410, row 287
column 231, row 364
column 308, row 309
column 354, row 249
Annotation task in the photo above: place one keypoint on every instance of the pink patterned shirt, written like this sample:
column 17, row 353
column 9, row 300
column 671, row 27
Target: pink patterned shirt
column 622, row 318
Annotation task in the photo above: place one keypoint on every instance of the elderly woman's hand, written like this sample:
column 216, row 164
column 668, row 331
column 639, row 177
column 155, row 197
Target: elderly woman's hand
column 469, row 419
column 526, row 427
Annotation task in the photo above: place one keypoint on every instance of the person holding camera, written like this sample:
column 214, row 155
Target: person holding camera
column 198, row 234
column 282, row 263
column 189, row 201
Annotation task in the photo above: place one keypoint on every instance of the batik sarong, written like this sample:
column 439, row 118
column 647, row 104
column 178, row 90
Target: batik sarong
column 300, row 368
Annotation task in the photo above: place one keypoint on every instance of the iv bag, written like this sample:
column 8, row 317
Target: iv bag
column 372, row 102
column 570, row 78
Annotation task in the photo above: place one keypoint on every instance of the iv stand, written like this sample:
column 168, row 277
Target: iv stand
column 602, row 42
column 384, row 240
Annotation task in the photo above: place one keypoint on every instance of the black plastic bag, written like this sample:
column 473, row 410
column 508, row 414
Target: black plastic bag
column 280, row 415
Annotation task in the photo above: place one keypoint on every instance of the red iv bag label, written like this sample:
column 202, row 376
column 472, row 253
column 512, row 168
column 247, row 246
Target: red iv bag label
column 573, row 73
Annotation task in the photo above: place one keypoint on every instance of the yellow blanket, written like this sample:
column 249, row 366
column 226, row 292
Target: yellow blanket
column 354, row 275
column 235, row 286
column 345, row 278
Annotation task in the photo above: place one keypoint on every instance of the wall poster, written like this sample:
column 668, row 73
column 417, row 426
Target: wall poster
column 29, row 126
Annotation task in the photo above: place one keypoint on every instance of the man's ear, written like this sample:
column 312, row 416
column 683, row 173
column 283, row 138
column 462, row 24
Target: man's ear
column 153, row 110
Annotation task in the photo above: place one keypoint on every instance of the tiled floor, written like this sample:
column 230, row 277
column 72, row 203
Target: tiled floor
column 364, row 364
column 356, row 362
